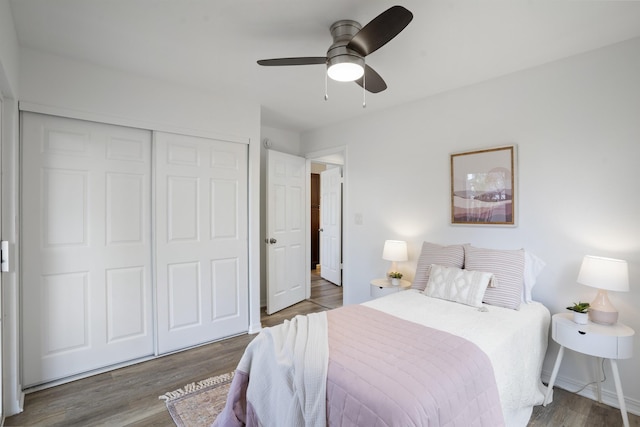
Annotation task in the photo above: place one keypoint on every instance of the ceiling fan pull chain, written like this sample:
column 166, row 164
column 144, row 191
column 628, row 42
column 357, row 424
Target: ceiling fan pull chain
column 364, row 90
column 326, row 90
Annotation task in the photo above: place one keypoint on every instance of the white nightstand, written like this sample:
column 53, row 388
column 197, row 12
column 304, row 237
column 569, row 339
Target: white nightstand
column 602, row 341
column 382, row 287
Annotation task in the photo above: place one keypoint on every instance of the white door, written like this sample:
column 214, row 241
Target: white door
column 286, row 230
column 86, row 276
column 201, row 240
column 330, row 225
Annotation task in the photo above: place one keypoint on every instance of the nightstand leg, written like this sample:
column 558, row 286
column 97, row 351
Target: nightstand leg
column 616, row 378
column 554, row 373
column 597, row 378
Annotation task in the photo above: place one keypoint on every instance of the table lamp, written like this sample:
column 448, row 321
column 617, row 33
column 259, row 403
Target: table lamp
column 605, row 274
column 394, row 251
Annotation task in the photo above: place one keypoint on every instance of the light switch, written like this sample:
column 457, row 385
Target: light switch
column 358, row 219
column 4, row 256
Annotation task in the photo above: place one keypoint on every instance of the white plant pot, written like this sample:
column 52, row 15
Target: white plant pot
column 581, row 318
column 395, row 282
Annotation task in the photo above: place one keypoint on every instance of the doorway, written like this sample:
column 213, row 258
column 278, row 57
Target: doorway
column 318, row 163
column 314, row 229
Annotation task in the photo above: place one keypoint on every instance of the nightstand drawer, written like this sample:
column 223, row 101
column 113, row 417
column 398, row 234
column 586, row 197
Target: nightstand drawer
column 381, row 291
column 383, row 287
column 580, row 338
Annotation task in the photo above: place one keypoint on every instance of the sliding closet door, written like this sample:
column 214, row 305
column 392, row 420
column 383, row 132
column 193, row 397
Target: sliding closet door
column 201, row 240
column 86, row 275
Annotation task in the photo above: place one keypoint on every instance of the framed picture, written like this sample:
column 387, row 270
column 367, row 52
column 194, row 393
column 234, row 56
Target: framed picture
column 483, row 187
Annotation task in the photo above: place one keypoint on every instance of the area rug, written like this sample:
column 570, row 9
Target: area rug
column 198, row 404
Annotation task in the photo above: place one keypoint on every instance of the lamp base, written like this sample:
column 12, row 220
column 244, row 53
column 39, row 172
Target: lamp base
column 602, row 311
column 603, row 317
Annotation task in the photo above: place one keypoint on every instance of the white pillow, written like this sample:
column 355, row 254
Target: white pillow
column 532, row 268
column 458, row 285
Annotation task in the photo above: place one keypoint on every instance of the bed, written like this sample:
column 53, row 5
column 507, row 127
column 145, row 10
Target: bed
column 436, row 355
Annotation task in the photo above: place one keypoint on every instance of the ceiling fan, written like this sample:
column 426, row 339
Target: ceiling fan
column 351, row 43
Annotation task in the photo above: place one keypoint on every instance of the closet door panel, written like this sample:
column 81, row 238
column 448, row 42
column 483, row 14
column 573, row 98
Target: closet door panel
column 86, row 282
column 184, row 295
column 126, row 299
column 201, row 252
column 183, row 200
column 225, row 301
column 125, row 208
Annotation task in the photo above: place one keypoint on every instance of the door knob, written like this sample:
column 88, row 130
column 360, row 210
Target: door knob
column 321, row 230
column 272, row 241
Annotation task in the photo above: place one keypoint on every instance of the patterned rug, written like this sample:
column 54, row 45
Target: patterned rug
column 198, row 404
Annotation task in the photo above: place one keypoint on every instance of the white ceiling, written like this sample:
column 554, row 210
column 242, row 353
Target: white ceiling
column 213, row 45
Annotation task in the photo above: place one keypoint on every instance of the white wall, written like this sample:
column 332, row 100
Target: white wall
column 8, row 52
column 576, row 123
column 80, row 87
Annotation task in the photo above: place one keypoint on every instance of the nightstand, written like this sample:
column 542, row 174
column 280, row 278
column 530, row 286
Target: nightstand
column 382, row 287
column 602, row 341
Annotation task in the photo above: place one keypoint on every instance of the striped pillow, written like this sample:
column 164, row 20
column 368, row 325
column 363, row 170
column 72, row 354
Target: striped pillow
column 431, row 253
column 508, row 269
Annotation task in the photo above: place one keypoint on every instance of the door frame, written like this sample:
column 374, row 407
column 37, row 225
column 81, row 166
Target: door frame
column 1, row 278
column 334, row 156
column 13, row 396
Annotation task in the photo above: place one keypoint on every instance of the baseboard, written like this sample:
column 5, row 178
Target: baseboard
column 15, row 407
column 255, row 328
column 609, row 397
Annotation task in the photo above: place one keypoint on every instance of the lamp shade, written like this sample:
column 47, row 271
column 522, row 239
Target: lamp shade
column 395, row 250
column 604, row 273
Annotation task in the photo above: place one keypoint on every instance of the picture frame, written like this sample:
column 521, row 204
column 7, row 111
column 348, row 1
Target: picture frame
column 483, row 187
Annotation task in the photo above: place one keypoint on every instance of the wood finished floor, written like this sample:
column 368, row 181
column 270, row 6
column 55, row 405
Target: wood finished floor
column 129, row 396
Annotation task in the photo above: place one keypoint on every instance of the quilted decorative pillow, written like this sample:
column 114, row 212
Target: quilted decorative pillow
column 508, row 268
column 431, row 253
column 457, row 285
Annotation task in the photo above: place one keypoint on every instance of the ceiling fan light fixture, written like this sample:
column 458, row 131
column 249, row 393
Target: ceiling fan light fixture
column 345, row 68
column 351, row 44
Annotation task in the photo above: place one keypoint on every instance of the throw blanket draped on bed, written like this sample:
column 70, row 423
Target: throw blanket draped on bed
column 281, row 378
column 382, row 371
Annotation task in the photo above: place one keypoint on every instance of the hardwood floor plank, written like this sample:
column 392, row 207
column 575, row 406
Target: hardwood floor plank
column 572, row 410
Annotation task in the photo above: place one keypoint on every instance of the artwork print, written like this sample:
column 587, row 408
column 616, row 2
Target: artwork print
column 482, row 187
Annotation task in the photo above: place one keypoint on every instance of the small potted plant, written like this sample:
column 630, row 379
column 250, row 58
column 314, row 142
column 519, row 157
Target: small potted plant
column 580, row 312
column 395, row 278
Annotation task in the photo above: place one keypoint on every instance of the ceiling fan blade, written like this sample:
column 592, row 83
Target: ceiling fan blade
column 305, row 60
column 371, row 80
column 380, row 30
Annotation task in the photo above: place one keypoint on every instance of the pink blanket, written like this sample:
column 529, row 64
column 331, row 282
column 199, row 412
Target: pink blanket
column 385, row 371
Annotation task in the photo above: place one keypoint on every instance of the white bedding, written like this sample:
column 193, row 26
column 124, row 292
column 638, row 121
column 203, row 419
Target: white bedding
column 515, row 341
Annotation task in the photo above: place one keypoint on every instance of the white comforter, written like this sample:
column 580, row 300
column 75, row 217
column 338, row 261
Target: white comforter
column 515, row 341
column 289, row 365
